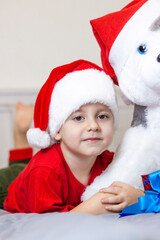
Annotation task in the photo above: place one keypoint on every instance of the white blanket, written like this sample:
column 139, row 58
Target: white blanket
column 77, row 226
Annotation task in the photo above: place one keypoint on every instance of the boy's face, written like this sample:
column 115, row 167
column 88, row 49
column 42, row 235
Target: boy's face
column 88, row 131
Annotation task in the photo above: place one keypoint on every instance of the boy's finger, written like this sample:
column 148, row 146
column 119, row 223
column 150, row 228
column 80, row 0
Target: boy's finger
column 117, row 184
column 114, row 190
column 103, row 190
column 115, row 208
column 112, row 200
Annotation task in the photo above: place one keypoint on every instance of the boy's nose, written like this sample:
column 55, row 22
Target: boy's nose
column 93, row 125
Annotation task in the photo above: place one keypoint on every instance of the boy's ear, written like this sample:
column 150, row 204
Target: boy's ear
column 58, row 137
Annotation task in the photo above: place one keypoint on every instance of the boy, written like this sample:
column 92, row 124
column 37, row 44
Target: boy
column 75, row 116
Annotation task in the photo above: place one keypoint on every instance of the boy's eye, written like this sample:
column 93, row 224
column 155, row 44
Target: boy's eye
column 78, row 118
column 142, row 49
column 103, row 116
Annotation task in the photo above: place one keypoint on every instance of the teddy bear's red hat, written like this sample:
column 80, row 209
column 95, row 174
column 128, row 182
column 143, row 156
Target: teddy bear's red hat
column 117, row 32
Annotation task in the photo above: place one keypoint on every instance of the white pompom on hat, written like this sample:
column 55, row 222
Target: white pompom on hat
column 68, row 88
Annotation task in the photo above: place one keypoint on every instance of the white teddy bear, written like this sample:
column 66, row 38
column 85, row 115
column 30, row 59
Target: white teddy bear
column 130, row 53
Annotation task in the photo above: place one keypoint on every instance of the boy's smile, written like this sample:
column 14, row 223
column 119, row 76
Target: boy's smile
column 92, row 140
column 87, row 132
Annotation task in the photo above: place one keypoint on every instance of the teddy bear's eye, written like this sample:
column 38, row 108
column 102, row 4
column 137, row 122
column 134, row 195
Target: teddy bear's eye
column 142, row 49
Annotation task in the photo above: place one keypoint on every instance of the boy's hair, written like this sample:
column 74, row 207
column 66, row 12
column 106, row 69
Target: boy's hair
column 66, row 90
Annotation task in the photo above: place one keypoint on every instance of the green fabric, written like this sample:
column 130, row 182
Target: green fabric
column 7, row 175
column 20, row 161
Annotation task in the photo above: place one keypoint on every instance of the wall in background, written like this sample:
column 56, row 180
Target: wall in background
column 8, row 101
column 35, row 37
column 38, row 35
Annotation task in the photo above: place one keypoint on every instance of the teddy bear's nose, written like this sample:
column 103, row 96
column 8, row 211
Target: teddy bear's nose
column 158, row 58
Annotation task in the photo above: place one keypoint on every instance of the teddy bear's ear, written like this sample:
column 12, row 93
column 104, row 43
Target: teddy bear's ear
column 155, row 25
column 126, row 100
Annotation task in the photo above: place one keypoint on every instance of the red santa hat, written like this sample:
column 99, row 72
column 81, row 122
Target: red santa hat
column 117, row 32
column 66, row 90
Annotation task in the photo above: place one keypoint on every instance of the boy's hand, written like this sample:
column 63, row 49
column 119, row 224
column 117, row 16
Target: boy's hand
column 93, row 205
column 123, row 196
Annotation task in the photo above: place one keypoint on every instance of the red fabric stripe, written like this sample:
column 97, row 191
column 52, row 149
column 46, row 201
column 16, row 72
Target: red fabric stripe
column 148, row 185
column 20, row 154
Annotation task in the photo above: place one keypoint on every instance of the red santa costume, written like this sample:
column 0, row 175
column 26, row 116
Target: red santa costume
column 47, row 183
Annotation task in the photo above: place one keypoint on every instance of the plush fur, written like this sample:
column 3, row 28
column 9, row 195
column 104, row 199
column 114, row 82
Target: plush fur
column 139, row 80
column 133, row 33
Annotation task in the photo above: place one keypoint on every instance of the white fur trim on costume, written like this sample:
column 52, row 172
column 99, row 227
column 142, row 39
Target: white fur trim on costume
column 132, row 34
column 76, row 89
column 38, row 138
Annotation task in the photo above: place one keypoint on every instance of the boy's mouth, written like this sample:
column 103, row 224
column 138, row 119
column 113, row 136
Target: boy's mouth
column 92, row 139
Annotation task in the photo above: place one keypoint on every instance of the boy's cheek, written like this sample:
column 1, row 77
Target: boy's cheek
column 109, row 137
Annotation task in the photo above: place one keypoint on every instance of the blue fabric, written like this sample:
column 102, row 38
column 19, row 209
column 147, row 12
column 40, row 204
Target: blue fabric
column 150, row 203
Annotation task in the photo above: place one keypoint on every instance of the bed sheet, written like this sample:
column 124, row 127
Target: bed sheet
column 78, row 226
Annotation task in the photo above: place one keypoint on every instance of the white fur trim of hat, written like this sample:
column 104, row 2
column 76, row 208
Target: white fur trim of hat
column 69, row 94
